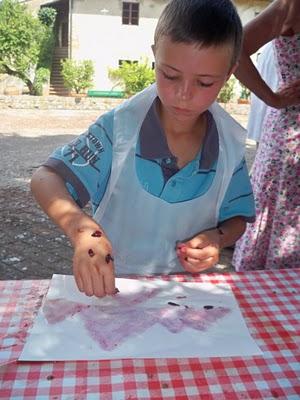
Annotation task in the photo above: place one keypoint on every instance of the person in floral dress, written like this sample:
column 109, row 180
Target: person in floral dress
column 273, row 241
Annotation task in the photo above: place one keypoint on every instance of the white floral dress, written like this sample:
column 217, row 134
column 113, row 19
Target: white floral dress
column 273, row 241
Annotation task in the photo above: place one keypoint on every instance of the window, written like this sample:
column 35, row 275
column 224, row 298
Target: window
column 130, row 13
column 127, row 61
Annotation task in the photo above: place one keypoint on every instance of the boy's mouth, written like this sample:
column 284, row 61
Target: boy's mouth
column 181, row 110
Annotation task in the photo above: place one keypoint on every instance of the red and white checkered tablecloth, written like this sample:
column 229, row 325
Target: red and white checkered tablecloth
column 269, row 301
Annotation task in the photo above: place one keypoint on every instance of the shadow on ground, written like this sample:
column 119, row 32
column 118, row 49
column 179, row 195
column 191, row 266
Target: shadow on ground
column 32, row 247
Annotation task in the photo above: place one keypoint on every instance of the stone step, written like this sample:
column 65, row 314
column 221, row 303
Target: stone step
column 59, row 92
column 56, row 78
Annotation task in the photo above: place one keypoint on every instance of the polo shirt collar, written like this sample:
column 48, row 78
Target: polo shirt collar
column 153, row 143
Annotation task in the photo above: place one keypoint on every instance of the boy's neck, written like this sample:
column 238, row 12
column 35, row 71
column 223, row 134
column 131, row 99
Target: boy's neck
column 176, row 128
column 184, row 139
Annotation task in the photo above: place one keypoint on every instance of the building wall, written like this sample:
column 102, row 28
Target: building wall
column 98, row 34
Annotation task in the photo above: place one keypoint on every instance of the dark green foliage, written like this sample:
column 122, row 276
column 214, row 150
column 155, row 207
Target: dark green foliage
column 47, row 16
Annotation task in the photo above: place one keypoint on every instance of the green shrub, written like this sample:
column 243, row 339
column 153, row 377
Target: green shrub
column 42, row 77
column 133, row 76
column 245, row 92
column 77, row 75
column 227, row 92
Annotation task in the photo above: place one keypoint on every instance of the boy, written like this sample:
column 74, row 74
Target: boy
column 164, row 171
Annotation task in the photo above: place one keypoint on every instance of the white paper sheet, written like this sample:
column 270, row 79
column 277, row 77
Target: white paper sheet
column 164, row 330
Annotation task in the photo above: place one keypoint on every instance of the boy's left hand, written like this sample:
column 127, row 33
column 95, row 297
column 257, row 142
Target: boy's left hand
column 201, row 252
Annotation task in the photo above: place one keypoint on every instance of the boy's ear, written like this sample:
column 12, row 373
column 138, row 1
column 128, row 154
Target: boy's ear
column 232, row 70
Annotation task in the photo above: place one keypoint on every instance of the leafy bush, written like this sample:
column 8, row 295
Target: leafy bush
column 227, row 92
column 77, row 75
column 42, row 76
column 132, row 76
column 245, row 92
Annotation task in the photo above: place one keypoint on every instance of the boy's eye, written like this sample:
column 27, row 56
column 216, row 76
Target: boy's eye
column 202, row 84
column 171, row 78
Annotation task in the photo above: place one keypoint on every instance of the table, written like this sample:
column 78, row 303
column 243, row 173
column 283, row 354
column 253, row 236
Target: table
column 270, row 304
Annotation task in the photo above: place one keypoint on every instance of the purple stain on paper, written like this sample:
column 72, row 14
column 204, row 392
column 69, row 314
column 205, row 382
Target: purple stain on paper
column 112, row 324
column 58, row 310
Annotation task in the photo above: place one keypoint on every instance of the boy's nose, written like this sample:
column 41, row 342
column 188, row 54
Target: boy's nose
column 185, row 91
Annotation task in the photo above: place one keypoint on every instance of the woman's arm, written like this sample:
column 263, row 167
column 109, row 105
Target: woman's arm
column 271, row 23
column 230, row 231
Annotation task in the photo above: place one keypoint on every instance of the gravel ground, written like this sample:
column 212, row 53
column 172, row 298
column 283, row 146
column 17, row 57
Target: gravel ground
column 31, row 246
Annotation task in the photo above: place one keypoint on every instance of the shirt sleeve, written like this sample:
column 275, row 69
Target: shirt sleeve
column 85, row 163
column 238, row 200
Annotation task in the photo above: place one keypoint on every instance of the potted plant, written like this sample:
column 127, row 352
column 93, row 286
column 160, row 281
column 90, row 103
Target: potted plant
column 244, row 95
column 227, row 92
column 133, row 76
column 41, row 82
column 77, row 75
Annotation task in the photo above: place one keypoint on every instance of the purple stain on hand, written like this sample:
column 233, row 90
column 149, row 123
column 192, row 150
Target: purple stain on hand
column 91, row 253
column 96, row 234
column 108, row 258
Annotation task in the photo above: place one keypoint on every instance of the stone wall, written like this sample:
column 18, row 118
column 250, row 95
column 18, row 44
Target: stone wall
column 83, row 103
column 58, row 102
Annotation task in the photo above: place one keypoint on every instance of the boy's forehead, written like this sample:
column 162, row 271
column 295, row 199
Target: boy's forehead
column 194, row 53
column 165, row 40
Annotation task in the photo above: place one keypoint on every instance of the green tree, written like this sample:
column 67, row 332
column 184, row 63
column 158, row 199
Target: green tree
column 133, row 76
column 21, row 38
column 77, row 75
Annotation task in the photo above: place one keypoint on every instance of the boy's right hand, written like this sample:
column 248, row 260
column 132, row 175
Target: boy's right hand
column 93, row 265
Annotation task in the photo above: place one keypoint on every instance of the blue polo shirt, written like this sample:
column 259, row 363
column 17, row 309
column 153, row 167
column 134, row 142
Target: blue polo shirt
column 85, row 165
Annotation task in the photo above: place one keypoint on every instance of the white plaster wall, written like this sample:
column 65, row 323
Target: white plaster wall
column 109, row 42
column 102, row 38
column 98, row 34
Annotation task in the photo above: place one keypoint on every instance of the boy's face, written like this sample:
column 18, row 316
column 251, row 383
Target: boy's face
column 189, row 78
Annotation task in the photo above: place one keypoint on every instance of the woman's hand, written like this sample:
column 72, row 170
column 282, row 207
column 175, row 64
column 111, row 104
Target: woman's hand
column 201, row 252
column 93, row 263
column 287, row 96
